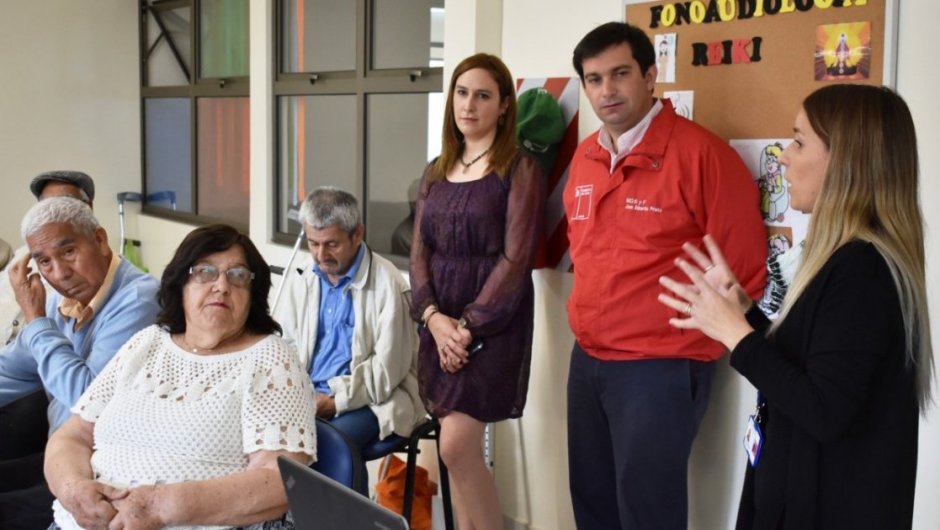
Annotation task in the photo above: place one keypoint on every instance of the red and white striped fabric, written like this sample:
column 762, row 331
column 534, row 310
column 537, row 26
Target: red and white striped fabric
column 554, row 250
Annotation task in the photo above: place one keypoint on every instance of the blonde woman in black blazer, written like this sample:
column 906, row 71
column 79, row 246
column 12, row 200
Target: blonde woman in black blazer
column 844, row 372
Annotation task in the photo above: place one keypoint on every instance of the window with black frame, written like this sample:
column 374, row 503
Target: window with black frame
column 194, row 105
column 359, row 106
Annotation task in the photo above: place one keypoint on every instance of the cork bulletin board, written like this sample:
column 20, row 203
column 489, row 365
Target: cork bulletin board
column 750, row 63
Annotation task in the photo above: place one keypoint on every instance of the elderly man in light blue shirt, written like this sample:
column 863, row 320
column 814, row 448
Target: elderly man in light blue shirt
column 100, row 301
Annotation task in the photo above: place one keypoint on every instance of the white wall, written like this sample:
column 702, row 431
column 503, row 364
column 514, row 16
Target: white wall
column 56, row 113
column 68, row 100
column 918, row 87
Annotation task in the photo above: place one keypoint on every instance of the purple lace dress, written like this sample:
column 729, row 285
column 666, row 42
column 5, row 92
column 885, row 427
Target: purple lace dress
column 474, row 245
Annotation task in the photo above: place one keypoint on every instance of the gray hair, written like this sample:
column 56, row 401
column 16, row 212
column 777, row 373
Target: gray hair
column 60, row 210
column 328, row 206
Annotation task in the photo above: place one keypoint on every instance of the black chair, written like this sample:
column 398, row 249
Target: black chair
column 429, row 430
column 338, row 458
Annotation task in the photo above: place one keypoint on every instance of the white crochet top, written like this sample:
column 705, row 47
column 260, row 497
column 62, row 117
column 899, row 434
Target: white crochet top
column 164, row 415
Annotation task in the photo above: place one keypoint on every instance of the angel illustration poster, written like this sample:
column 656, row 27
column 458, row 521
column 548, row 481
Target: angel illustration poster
column 843, row 51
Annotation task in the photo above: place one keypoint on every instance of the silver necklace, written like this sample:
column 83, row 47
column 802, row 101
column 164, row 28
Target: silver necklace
column 466, row 165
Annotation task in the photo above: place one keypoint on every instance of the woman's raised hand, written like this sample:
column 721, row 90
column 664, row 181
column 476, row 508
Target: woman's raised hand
column 714, row 302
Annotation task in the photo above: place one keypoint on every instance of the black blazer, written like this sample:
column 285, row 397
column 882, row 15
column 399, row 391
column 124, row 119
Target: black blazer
column 840, row 440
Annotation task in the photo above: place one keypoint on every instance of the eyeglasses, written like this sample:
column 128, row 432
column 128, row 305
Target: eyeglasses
column 237, row 276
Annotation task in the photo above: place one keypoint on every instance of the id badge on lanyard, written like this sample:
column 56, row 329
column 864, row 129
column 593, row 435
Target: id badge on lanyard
column 753, row 436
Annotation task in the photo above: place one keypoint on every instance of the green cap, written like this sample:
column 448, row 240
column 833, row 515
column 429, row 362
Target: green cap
column 540, row 126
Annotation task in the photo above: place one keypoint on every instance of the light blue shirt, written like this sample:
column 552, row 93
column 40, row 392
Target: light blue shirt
column 333, row 350
column 50, row 354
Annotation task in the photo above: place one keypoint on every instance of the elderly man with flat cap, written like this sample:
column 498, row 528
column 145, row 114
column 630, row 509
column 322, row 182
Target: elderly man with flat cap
column 100, row 301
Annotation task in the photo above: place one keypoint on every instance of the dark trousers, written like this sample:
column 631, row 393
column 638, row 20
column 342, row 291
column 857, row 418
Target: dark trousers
column 23, row 426
column 630, row 431
column 25, row 500
column 362, row 427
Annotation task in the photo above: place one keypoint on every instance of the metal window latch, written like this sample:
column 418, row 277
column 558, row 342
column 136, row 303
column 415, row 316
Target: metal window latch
column 314, row 78
column 415, row 74
column 221, row 83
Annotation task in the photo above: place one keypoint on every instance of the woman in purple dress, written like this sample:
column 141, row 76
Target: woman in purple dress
column 477, row 227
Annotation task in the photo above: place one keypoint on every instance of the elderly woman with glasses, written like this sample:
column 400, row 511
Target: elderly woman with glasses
column 184, row 426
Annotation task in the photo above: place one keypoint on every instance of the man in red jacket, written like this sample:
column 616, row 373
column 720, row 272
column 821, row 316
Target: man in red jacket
column 641, row 186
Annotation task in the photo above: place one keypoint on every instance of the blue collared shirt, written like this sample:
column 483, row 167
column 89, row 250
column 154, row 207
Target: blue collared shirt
column 333, row 350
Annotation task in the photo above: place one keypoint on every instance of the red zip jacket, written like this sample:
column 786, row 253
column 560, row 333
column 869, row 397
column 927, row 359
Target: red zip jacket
column 626, row 228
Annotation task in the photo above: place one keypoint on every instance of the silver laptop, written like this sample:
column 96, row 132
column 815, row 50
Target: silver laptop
column 320, row 503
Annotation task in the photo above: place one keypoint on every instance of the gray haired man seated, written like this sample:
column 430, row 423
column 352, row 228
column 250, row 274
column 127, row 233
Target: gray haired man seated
column 23, row 424
column 100, row 300
column 346, row 312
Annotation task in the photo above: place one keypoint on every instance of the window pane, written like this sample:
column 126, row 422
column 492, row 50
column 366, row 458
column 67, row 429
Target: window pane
column 163, row 64
column 224, row 38
column 403, row 133
column 168, row 153
column 318, row 35
column 407, row 34
column 437, row 37
column 223, row 176
column 317, row 147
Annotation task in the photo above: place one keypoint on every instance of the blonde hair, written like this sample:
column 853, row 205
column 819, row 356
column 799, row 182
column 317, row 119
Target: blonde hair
column 870, row 193
column 504, row 145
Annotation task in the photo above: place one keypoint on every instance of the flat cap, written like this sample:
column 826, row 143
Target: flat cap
column 77, row 178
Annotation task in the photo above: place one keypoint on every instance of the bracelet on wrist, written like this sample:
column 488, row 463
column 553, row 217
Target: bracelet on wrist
column 427, row 318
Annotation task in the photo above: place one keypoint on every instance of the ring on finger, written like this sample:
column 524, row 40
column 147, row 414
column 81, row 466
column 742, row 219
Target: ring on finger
column 688, row 309
column 710, row 267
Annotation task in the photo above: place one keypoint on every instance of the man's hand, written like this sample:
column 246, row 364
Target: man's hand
column 326, row 406
column 138, row 511
column 28, row 289
column 91, row 503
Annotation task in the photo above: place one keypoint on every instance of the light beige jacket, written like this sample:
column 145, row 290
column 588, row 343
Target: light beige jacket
column 383, row 370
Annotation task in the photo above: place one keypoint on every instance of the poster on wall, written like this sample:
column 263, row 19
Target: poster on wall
column 762, row 158
column 843, row 51
column 786, row 227
column 683, row 101
column 566, row 91
column 665, row 46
